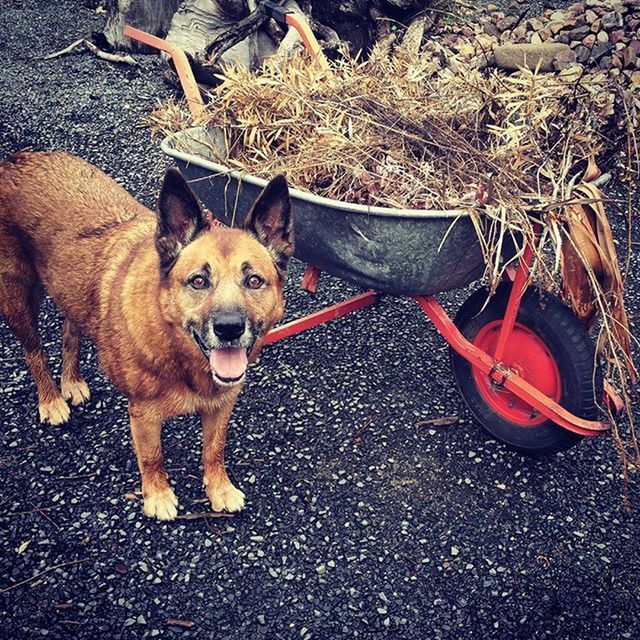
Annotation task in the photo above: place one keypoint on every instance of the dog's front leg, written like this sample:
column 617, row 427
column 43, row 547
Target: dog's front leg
column 223, row 495
column 146, row 427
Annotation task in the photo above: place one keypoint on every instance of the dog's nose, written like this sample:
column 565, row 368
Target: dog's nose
column 228, row 325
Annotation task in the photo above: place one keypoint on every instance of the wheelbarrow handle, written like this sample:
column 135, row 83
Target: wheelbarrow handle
column 297, row 20
column 195, row 102
column 183, row 68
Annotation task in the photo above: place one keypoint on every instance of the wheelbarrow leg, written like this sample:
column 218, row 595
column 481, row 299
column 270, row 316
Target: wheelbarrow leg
column 310, row 279
column 183, row 69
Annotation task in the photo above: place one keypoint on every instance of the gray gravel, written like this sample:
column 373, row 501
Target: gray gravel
column 359, row 522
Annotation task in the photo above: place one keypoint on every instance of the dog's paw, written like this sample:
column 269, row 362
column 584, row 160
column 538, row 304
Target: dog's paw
column 55, row 412
column 75, row 390
column 225, row 497
column 162, row 505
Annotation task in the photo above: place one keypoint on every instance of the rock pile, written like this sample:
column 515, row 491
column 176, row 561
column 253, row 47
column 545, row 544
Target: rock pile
column 595, row 35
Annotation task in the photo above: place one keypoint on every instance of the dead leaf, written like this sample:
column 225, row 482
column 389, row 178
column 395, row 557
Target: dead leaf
column 589, row 254
column 23, row 547
column 120, row 568
column 593, row 170
column 482, row 194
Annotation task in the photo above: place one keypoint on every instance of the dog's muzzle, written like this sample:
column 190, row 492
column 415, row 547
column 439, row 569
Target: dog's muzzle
column 226, row 340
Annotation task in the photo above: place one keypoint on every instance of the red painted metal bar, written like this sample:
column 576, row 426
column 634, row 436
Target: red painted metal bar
column 181, row 63
column 320, row 317
column 299, row 22
column 509, row 379
column 520, row 284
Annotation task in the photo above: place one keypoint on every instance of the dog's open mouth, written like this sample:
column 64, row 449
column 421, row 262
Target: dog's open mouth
column 228, row 364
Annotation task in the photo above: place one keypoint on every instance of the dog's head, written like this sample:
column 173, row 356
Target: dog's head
column 223, row 287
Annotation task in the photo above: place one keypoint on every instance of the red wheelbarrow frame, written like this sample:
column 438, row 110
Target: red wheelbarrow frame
column 490, row 365
column 500, row 374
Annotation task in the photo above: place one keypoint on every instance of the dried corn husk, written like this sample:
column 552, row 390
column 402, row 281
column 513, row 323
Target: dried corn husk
column 590, row 268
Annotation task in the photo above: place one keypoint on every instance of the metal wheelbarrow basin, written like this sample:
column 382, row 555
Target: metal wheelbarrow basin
column 397, row 251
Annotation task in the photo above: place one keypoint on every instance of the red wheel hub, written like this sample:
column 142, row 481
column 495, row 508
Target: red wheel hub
column 527, row 355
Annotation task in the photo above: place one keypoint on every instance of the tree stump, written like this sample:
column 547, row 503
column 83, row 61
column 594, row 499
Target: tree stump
column 195, row 24
column 152, row 16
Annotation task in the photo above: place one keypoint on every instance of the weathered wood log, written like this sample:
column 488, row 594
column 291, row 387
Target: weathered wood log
column 195, row 24
column 359, row 22
column 232, row 31
column 217, row 31
column 234, row 34
column 153, row 16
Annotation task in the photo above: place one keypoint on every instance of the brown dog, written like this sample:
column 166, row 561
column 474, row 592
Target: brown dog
column 176, row 307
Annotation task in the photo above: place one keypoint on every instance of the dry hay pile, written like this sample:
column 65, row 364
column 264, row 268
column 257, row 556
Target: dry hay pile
column 514, row 150
column 387, row 132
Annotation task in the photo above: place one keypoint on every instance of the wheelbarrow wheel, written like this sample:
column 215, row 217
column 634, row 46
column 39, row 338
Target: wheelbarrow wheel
column 549, row 347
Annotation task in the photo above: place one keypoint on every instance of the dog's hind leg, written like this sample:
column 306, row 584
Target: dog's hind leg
column 20, row 297
column 72, row 384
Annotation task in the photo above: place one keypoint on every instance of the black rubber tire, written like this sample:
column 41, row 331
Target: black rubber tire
column 569, row 343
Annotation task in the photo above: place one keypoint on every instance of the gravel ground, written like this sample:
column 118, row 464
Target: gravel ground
column 360, row 523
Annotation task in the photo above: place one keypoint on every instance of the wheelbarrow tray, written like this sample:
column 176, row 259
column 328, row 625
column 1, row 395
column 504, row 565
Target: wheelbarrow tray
column 397, row 251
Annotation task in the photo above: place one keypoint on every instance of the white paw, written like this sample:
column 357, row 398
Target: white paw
column 162, row 505
column 55, row 412
column 75, row 390
column 225, row 497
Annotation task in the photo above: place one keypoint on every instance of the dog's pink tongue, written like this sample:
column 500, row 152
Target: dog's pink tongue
column 229, row 363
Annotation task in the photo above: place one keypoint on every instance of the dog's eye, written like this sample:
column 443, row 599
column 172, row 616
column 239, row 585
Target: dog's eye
column 199, row 282
column 254, row 282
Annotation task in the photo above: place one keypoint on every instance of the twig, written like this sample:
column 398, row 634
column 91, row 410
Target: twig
column 187, row 624
column 439, row 422
column 235, row 34
column 110, row 57
column 521, row 17
column 47, row 570
column 62, row 52
column 45, row 516
column 252, row 40
column 203, row 516
column 13, row 495
column 78, row 477
column 368, row 422
column 36, row 510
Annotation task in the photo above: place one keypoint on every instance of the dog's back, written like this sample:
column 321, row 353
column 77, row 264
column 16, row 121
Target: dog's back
column 60, row 221
column 66, row 225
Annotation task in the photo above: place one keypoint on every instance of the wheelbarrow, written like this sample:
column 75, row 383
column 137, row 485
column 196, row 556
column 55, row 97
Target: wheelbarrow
column 523, row 362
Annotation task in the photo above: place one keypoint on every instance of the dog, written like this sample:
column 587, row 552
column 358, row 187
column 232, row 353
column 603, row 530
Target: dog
column 176, row 306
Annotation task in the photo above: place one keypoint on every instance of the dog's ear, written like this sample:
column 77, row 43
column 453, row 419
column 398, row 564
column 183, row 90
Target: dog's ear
column 270, row 221
column 180, row 219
